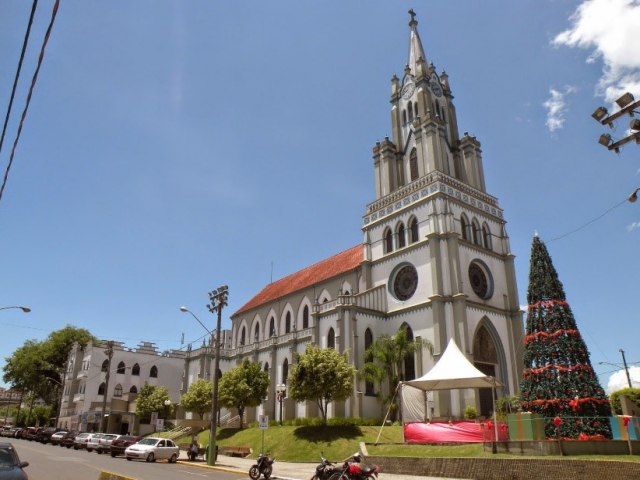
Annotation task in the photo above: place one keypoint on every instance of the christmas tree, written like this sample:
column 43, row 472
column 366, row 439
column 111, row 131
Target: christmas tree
column 559, row 382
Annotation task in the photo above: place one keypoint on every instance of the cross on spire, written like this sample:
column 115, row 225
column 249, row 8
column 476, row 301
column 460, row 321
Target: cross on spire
column 413, row 17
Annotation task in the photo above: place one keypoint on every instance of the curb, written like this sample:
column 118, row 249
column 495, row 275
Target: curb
column 227, row 469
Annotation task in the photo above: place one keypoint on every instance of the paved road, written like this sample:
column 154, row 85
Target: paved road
column 47, row 462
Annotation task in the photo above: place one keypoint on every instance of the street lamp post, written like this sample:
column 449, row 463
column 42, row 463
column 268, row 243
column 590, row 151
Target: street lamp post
column 624, row 366
column 218, row 299
column 167, row 410
column 103, row 419
column 281, row 393
column 628, row 106
column 24, row 309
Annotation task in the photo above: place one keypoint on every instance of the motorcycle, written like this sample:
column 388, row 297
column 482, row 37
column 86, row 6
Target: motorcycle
column 263, row 466
column 324, row 470
column 354, row 471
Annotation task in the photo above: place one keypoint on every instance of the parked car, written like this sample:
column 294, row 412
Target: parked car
column 104, row 442
column 56, row 437
column 80, row 441
column 68, row 439
column 119, row 445
column 93, row 440
column 11, row 468
column 152, row 449
column 30, row 433
column 44, row 434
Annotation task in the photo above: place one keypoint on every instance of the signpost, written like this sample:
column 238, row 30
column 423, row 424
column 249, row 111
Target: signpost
column 263, row 424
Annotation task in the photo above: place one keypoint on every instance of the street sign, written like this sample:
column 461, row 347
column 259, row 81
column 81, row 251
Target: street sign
column 263, row 421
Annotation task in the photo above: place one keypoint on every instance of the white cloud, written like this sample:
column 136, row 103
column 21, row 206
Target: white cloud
column 618, row 380
column 609, row 28
column 556, row 108
column 633, row 226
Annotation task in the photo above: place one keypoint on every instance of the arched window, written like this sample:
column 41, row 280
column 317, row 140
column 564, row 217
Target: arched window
column 413, row 230
column 287, row 323
column 413, row 164
column 331, row 339
column 409, row 359
column 464, row 226
column 401, row 236
column 243, row 336
column 101, row 388
column 153, row 372
column 256, row 333
column 404, row 117
column 135, row 370
column 486, row 235
column 410, row 111
column 117, row 392
column 105, row 366
column 133, row 389
column 121, row 368
column 272, row 327
column 477, row 236
column 285, row 371
column 305, row 317
column 388, row 241
column 415, row 109
column 369, row 388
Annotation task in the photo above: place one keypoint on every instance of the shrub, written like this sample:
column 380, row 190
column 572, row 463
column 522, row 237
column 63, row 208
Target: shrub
column 470, row 413
column 632, row 394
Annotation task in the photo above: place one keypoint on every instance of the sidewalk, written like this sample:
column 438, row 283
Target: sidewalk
column 281, row 470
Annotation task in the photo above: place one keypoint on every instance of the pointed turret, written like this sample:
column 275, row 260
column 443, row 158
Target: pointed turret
column 416, row 52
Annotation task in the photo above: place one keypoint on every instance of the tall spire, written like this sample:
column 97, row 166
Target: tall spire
column 415, row 45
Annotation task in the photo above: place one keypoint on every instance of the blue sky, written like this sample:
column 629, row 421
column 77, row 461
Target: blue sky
column 175, row 146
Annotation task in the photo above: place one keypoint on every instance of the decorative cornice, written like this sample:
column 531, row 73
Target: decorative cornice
column 431, row 184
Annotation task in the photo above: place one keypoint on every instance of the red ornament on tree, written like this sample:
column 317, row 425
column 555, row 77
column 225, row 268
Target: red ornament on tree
column 557, row 421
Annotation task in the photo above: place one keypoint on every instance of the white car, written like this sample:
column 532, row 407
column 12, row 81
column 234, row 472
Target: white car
column 93, row 441
column 152, row 449
column 56, row 437
column 104, row 442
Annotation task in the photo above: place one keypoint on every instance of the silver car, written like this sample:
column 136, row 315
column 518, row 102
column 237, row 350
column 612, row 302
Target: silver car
column 152, row 449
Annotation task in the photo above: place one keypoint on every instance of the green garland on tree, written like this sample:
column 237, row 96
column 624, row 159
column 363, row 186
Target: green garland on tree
column 559, row 381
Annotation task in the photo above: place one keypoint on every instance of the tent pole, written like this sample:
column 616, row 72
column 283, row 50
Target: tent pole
column 384, row 422
column 494, row 448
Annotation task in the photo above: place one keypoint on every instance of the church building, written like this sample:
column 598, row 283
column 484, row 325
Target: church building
column 434, row 260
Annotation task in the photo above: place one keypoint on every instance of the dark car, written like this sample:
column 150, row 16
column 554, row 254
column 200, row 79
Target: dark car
column 30, row 433
column 11, row 468
column 44, row 435
column 67, row 439
column 119, row 444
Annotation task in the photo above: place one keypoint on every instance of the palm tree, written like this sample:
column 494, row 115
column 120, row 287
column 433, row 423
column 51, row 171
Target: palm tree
column 386, row 359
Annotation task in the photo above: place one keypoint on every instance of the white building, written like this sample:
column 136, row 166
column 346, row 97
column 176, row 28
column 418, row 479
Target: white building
column 86, row 385
column 435, row 259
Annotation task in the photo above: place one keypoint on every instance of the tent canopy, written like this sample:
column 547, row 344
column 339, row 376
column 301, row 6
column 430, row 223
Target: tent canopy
column 453, row 371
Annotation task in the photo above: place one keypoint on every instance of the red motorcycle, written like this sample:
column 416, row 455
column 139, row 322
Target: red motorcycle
column 353, row 470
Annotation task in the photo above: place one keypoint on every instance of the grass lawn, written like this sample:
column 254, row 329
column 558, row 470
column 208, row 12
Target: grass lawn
column 307, row 443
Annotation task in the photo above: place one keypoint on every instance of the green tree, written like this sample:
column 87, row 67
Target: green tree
column 558, row 379
column 322, row 376
column 198, row 397
column 243, row 386
column 152, row 399
column 387, row 357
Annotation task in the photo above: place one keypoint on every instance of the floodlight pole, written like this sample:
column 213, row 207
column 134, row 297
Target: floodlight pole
column 219, row 299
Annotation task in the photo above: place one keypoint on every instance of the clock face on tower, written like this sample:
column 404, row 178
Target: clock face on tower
column 407, row 90
column 405, row 282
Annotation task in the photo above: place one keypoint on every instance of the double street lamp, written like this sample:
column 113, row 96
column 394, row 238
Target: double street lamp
column 628, row 106
column 218, row 299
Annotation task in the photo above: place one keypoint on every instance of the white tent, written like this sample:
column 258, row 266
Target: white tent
column 453, row 371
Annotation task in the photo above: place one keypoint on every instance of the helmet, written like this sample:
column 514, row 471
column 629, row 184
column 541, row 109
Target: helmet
column 356, row 457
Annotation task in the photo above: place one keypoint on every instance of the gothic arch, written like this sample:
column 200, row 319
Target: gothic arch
column 105, row 366
column 465, row 226
column 413, row 230
column 387, row 237
column 477, row 234
column 401, row 234
column 324, row 296
column 135, row 370
column 346, row 288
column 488, row 357
column 287, row 325
column 414, row 173
column 409, row 365
column 304, row 314
column 101, row 388
column 121, row 368
column 486, row 236
column 331, row 338
column 117, row 391
column 133, row 389
column 153, row 372
column 285, row 371
column 256, row 328
column 272, row 326
column 369, row 387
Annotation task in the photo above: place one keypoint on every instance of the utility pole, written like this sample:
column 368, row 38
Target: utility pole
column 109, row 353
column 626, row 369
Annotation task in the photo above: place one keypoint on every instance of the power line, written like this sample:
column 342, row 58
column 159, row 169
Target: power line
column 15, row 80
column 26, row 106
column 589, row 222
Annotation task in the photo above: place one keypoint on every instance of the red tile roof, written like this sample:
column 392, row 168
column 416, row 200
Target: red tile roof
column 323, row 270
